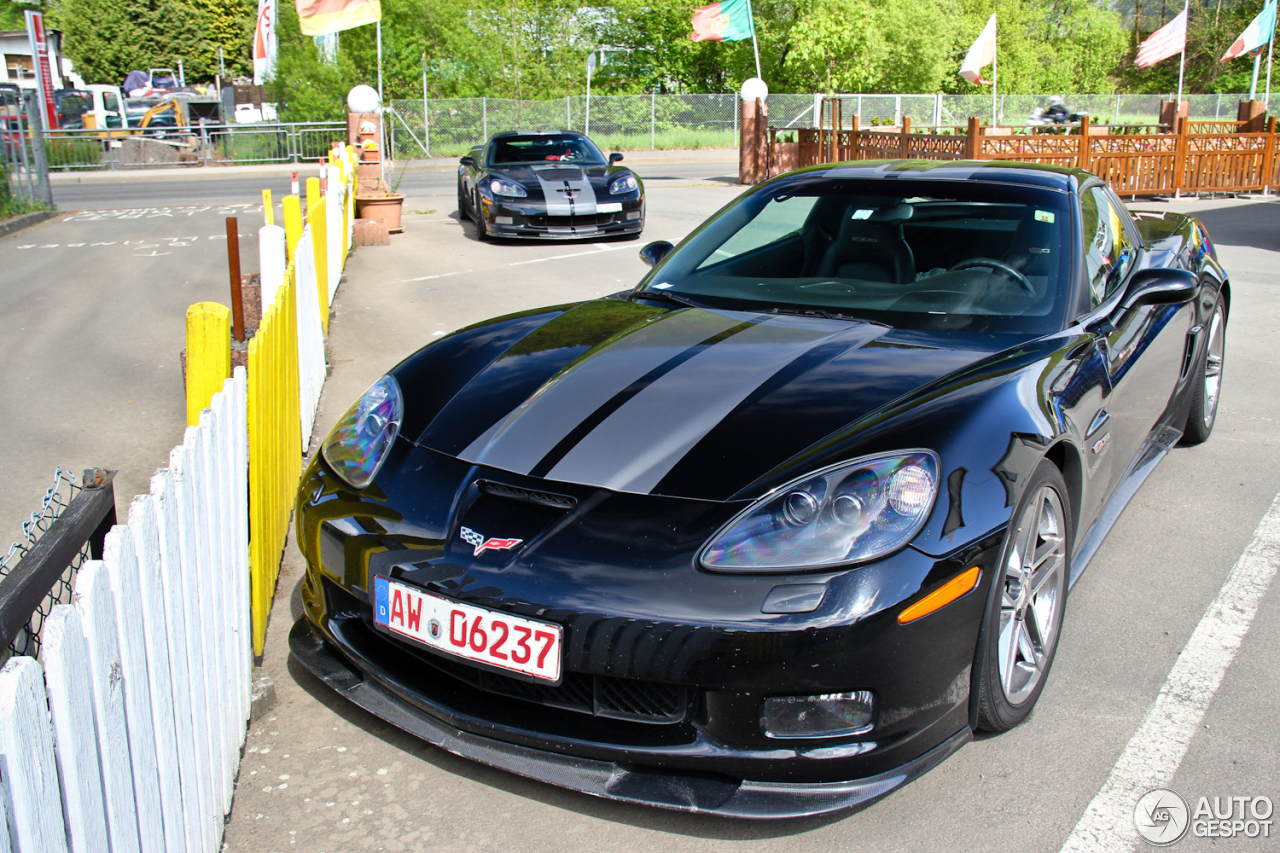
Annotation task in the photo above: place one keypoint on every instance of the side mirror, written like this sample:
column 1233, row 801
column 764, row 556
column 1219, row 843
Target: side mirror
column 1160, row 287
column 468, row 161
column 614, row 158
column 653, row 253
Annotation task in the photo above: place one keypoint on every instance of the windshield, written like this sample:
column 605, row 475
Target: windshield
column 544, row 148
column 914, row 254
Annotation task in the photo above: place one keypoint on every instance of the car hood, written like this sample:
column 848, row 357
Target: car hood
column 554, row 175
column 693, row 403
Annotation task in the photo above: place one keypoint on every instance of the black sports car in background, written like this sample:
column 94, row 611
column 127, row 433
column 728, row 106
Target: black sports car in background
column 553, row 185
column 775, row 532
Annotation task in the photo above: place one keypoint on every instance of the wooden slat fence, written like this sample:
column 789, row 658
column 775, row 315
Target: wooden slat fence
column 126, row 735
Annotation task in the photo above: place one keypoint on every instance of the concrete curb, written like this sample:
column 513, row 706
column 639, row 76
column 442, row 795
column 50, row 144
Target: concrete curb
column 25, row 220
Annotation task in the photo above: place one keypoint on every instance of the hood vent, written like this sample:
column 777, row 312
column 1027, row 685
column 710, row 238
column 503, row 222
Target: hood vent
column 515, row 493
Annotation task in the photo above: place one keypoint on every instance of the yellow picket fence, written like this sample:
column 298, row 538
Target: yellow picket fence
column 274, row 397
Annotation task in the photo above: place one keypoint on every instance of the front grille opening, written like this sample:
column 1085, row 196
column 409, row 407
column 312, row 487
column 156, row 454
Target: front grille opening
column 597, row 695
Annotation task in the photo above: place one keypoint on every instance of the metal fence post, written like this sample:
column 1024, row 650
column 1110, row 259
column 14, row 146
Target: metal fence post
column 484, row 115
column 653, row 126
column 568, row 113
column 937, row 111
column 39, row 163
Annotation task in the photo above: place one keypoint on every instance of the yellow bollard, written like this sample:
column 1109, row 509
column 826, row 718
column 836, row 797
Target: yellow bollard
column 268, row 208
column 320, row 248
column 292, row 206
column 208, row 355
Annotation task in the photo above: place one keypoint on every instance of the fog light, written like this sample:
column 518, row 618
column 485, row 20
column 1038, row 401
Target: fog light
column 502, row 220
column 633, row 214
column 828, row 715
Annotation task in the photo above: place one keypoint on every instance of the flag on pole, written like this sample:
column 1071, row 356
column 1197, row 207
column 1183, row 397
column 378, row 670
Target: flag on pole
column 1169, row 40
column 982, row 54
column 264, row 43
column 1257, row 34
column 321, row 17
column 728, row 20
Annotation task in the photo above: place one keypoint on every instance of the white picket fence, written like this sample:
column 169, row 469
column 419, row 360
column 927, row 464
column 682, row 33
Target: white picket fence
column 126, row 736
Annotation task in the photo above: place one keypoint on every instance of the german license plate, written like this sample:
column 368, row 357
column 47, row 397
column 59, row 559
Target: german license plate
column 472, row 633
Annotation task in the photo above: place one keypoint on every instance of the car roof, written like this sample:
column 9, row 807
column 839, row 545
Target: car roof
column 507, row 134
column 983, row 171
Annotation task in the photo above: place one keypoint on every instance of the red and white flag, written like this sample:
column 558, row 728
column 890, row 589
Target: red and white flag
column 264, row 42
column 981, row 54
column 1169, row 40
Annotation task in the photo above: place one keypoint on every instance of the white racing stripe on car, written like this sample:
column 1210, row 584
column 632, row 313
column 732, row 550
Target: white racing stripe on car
column 1154, row 753
column 705, row 388
column 520, row 440
column 560, row 184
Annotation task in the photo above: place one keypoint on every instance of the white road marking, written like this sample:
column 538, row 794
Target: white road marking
column 1153, row 754
column 438, row 275
column 597, row 250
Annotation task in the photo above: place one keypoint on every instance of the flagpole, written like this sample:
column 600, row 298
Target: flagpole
column 1182, row 61
column 755, row 46
column 1270, row 46
column 995, row 81
column 382, row 111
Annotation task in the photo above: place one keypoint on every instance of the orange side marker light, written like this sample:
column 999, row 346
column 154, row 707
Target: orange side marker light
column 942, row 596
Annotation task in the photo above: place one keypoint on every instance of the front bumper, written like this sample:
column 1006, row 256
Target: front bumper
column 510, row 218
column 608, row 779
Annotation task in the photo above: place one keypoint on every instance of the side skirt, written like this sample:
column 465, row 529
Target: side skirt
column 1154, row 449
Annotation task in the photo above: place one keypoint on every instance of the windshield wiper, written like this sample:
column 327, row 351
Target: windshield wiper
column 823, row 312
column 664, row 296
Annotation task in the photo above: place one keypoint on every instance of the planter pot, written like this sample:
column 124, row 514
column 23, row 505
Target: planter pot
column 384, row 207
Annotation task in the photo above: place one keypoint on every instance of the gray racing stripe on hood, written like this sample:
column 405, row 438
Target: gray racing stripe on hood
column 521, row 439
column 567, row 191
column 639, row 444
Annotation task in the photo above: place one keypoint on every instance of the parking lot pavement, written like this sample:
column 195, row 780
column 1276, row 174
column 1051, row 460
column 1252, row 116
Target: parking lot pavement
column 321, row 775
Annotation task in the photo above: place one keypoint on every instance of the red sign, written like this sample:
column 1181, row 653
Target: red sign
column 44, row 72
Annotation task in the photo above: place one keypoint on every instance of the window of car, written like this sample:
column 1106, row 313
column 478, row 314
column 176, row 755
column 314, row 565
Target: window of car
column 110, row 102
column 784, row 218
column 1109, row 254
column 911, row 253
column 544, row 148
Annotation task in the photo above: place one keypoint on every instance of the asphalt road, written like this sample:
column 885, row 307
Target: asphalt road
column 322, row 775
column 92, row 320
column 96, row 190
column 90, row 377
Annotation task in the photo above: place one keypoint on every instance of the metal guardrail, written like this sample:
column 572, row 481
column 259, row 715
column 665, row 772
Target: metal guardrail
column 202, row 144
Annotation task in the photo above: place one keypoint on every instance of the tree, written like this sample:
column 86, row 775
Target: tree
column 106, row 39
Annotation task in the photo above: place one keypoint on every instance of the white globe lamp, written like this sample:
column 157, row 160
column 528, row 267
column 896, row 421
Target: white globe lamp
column 363, row 99
column 755, row 88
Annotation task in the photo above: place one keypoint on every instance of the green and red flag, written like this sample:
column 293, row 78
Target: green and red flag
column 728, row 20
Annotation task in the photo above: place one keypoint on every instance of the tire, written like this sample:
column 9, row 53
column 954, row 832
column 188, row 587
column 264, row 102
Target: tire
column 1207, row 391
column 482, row 227
column 462, row 206
column 1023, row 621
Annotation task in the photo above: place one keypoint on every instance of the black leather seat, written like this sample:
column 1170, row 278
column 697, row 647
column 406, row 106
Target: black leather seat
column 870, row 246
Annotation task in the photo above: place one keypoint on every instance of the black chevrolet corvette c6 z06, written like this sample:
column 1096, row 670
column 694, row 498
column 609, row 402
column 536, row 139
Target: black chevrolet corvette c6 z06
column 775, row 532
column 555, row 185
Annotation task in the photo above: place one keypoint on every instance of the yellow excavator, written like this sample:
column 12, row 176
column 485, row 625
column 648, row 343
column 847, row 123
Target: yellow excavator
column 168, row 115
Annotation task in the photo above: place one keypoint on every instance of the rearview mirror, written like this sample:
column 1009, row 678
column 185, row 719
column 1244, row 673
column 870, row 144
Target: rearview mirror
column 653, row 253
column 614, row 158
column 1159, row 287
column 468, row 161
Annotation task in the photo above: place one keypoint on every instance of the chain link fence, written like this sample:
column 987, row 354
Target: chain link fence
column 449, row 127
column 24, row 171
column 55, row 501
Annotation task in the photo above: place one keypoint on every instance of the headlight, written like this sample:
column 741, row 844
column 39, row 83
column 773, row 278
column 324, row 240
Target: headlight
column 625, row 184
column 497, row 186
column 851, row 512
column 359, row 443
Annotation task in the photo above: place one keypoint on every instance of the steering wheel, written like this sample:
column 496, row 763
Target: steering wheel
column 1000, row 267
